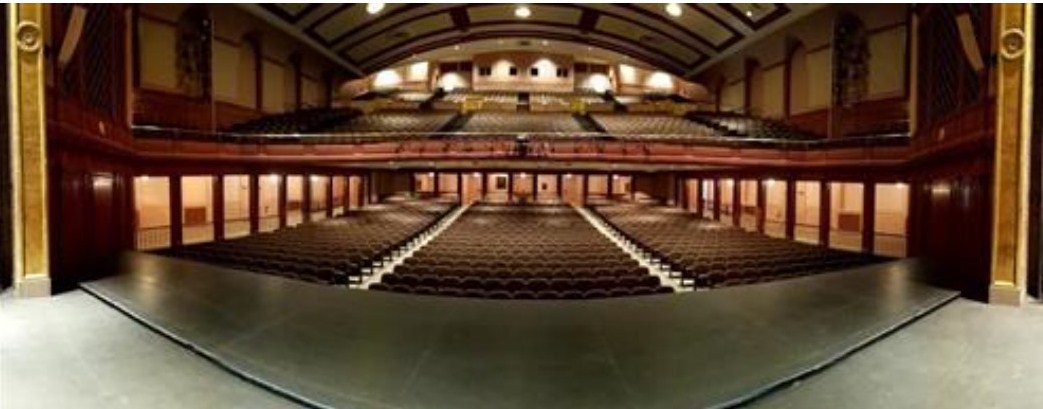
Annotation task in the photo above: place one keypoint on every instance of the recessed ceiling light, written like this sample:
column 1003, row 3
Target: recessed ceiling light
column 673, row 9
column 749, row 13
column 522, row 12
column 374, row 8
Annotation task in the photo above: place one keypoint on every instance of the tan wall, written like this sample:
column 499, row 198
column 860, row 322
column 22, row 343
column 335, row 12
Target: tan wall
column 152, row 201
column 811, row 77
column 500, row 79
column 233, row 62
column 237, row 197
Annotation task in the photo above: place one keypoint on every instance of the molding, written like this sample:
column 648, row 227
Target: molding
column 260, row 12
column 29, row 151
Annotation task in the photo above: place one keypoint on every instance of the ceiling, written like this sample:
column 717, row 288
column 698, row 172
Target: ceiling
column 683, row 45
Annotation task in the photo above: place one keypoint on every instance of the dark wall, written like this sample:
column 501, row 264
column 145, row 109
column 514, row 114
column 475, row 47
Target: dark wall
column 6, row 269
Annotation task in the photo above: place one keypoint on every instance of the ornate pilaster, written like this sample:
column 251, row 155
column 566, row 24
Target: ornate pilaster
column 1013, row 127
column 28, row 151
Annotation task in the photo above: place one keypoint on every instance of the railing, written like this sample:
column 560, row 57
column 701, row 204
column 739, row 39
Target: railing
column 536, row 141
column 151, row 238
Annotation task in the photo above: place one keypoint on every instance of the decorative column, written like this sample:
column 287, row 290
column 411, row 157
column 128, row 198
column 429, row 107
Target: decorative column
column 176, row 212
column 306, row 204
column 558, row 186
column 31, row 268
column 1010, row 217
column 218, row 189
column 700, row 207
column 282, row 201
column 791, row 209
column 736, row 201
column 868, row 216
column 485, row 185
column 255, row 203
column 762, row 205
column 716, row 199
column 824, row 213
column 510, row 187
column 329, row 196
column 460, row 187
column 586, row 189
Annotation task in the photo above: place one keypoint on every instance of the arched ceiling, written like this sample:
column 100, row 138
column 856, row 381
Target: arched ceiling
column 683, row 45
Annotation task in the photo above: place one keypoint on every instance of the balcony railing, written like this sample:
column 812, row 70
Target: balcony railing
column 519, row 143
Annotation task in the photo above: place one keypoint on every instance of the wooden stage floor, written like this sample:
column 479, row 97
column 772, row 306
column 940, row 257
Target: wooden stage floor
column 339, row 348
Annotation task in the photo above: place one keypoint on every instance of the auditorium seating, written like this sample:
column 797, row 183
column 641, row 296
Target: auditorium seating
column 485, row 96
column 302, row 121
column 395, row 122
column 751, row 127
column 707, row 254
column 521, row 122
column 331, row 251
column 631, row 126
column 521, row 252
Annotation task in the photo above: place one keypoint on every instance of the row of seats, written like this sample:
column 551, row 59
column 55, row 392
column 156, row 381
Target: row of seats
column 498, row 97
column 392, row 122
column 657, row 125
column 752, row 127
column 332, row 251
column 520, row 122
column 522, row 294
column 306, row 120
column 708, row 254
column 522, row 248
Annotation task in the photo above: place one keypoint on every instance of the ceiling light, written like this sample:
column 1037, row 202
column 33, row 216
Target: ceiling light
column 522, row 12
column 374, row 8
column 545, row 42
column 749, row 13
column 456, row 47
column 673, row 9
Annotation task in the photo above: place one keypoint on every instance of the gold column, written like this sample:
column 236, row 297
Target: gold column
column 1013, row 133
column 28, row 150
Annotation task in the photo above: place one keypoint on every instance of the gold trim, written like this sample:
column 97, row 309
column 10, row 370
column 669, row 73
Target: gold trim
column 1013, row 124
column 29, row 151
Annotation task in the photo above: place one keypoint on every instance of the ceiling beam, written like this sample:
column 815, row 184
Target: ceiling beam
column 794, row 15
column 461, row 19
column 588, row 20
column 299, row 35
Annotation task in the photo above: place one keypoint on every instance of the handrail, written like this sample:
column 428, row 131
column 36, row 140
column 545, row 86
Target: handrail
column 156, row 132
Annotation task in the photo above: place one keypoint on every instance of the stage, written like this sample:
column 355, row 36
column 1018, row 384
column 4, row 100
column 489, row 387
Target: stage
column 334, row 347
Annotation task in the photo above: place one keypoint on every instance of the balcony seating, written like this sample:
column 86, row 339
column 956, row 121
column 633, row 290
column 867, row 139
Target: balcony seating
column 751, row 127
column 521, row 122
column 303, row 121
column 393, row 122
column 521, row 252
column 635, row 126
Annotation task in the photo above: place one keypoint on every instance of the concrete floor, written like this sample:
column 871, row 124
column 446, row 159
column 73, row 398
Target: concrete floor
column 74, row 351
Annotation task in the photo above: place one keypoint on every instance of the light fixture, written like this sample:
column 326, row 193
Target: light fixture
column 477, row 175
column 545, row 42
column 749, row 13
column 374, row 8
column 430, row 174
column 568, row 176
column 456, row 47
column 673, row 9
column 522, row 12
